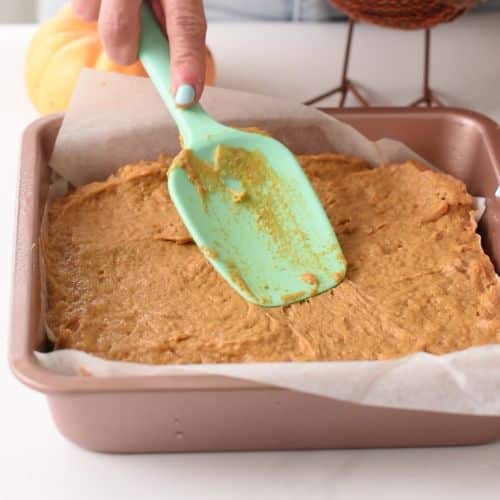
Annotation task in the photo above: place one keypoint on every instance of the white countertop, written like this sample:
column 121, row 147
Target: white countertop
column 299, row 63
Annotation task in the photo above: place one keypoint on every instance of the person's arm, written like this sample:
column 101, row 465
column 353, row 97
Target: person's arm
column 184, row 20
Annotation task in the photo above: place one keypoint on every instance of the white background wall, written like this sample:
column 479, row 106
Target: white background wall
column 17, row 11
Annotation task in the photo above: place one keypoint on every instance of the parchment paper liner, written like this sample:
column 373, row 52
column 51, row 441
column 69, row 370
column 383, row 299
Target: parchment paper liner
column 114, row 120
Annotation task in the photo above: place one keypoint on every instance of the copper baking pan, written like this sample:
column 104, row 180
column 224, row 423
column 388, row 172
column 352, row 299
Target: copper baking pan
column 188, row 413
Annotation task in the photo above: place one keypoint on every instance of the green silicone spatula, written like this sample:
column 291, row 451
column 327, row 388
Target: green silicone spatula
column 245, row 199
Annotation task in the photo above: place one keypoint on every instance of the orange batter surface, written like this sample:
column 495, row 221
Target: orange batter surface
column 125, row 282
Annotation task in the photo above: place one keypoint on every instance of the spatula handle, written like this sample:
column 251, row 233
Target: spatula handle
column 154, row 55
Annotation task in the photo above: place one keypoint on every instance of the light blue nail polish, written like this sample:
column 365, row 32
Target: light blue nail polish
column 184, row 95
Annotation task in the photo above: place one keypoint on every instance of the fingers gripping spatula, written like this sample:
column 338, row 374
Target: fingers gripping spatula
column 245, row 199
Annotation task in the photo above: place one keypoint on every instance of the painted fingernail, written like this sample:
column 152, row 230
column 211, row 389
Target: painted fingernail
column 184, row 95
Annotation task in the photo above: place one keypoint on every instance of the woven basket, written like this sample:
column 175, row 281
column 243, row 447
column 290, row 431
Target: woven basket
column 404, row 14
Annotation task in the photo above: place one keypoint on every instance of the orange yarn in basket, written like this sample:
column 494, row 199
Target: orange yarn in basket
column 404, row 14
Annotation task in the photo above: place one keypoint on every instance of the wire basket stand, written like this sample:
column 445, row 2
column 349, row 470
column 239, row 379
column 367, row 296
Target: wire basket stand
column 399, row 14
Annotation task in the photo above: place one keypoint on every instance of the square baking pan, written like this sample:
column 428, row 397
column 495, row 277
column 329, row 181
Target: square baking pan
column 211, row 413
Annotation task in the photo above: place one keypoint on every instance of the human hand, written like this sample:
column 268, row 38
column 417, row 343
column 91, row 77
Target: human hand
column 184, row 22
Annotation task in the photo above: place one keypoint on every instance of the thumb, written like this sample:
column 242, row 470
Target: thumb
column 186, row 30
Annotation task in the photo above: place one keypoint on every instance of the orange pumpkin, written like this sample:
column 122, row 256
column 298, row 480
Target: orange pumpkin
column 60, row 49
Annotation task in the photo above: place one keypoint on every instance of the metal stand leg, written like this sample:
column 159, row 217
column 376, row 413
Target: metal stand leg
column 428, row 97
column 346, row 85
